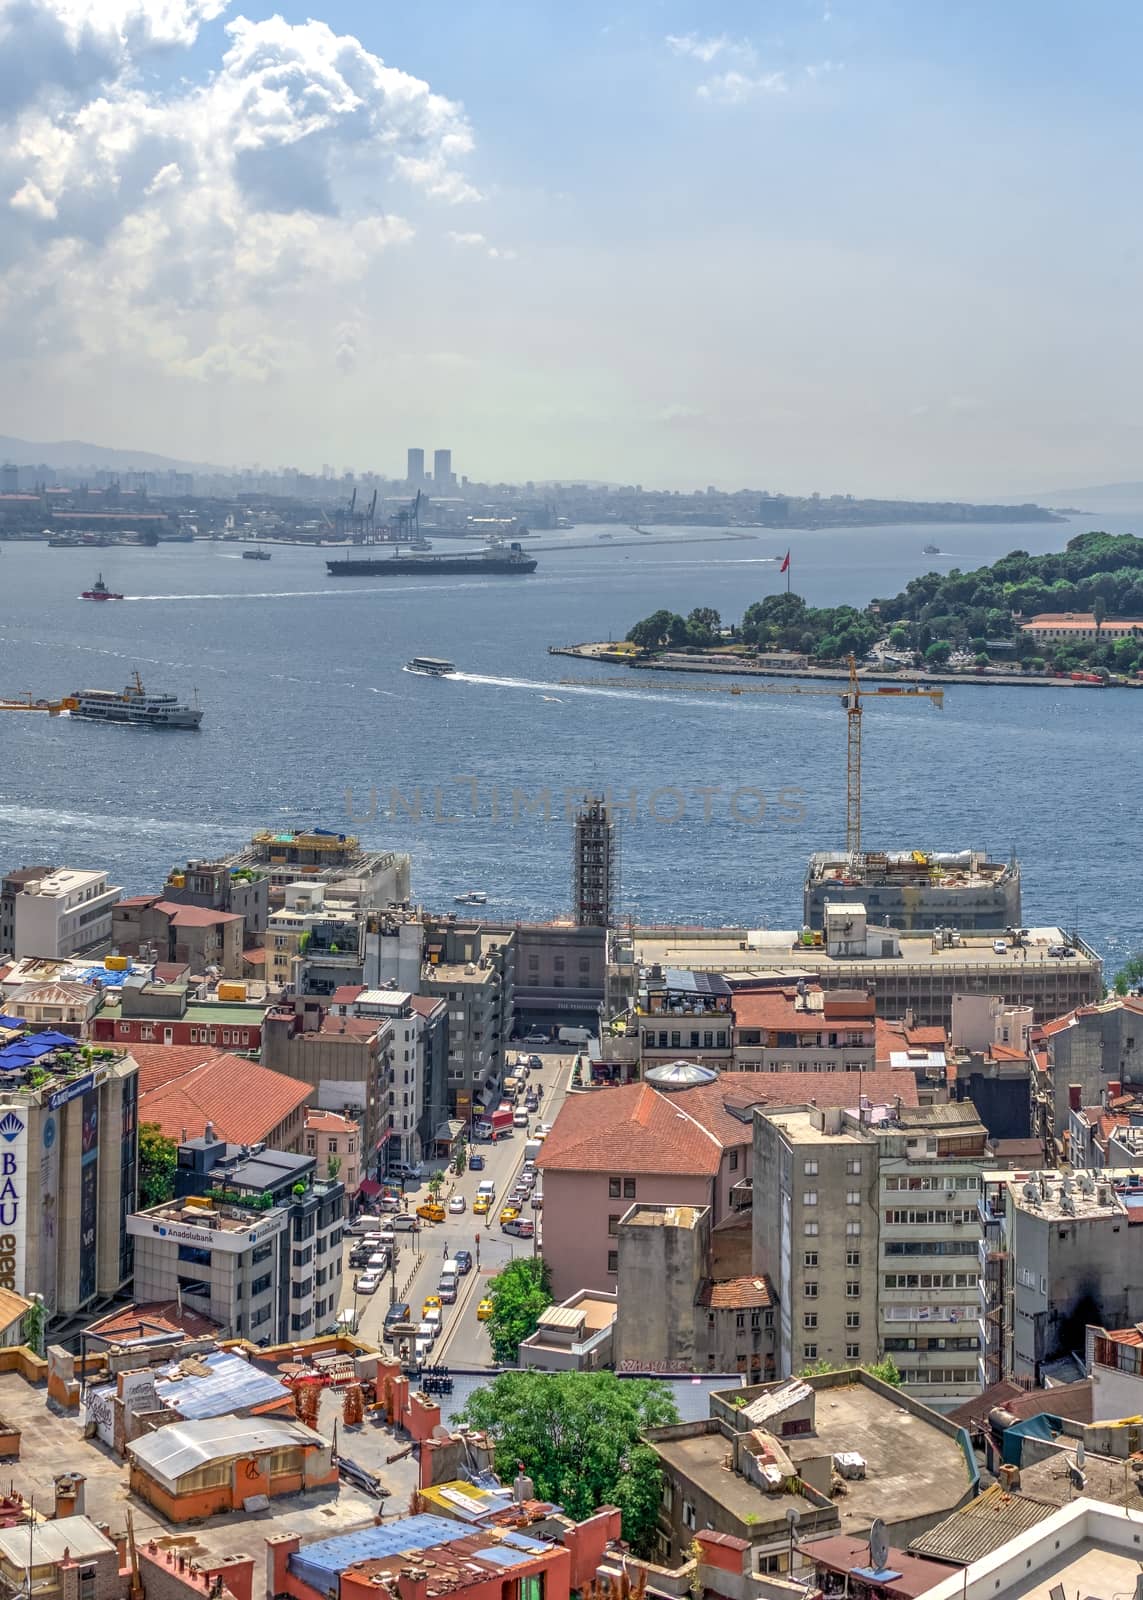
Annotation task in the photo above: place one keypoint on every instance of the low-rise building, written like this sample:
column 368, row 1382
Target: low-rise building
column 334, row 1142
column 688, row 1146
column 10, row 886
column 919, row 972
column 677, row 1012
column 149, row 1011
column 66, row 913
column 1114, row 1358
column 839, row 1449
column 472, row 967
column 1090, row 1047
column 347, row 1061
column 196, row 936
column 1085, row 1548
column 1077, row 627
column 191, row 1470
column 802, row 1028
column 218, row 887
column 67, row 1007
column 561, row 974
column 252, row 1240
column 576, row 1336
column 368, row 878
column 243, row 1102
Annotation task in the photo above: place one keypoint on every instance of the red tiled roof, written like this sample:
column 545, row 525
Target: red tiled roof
column 1007, row 1052
column 159, row 1063
column 244, row 1101
column 638, row 1129
column 254, row 958
column 892, row 1035
column 194, row 916
column 426, row 1004
column 128, row 1323
column 329, row 1122
column 775, row 1008
column 345, row 994
column 354, row 1027
column 136, row 900
column 737, row 1294
column 171, row 971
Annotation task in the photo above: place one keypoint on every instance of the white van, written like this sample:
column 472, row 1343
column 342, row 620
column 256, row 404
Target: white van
column 347, row 1321
column 532, row 1149
column 486, row 1187
column 447, row 1283
column 574, row 1035
column 432, row 1323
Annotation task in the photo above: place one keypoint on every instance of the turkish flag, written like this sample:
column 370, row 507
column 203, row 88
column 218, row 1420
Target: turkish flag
column 785, row 567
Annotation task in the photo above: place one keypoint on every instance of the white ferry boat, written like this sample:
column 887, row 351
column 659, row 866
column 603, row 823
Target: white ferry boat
column 431, row 666
column 134, row 705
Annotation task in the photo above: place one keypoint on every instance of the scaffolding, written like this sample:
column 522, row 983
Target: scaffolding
column 595, row 864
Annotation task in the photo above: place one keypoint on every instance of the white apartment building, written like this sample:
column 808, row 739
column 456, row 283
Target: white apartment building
column 63, row 914
column 406, row 1088
column 878, row 1239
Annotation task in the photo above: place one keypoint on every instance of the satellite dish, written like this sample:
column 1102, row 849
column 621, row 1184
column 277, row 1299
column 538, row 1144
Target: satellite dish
column 878, row 1546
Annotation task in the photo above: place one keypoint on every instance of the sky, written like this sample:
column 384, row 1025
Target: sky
column 884, row 247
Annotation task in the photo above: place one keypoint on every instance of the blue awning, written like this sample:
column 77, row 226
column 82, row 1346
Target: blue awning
column 25, row 1052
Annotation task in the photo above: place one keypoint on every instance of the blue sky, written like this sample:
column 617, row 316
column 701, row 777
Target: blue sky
column 847, row 245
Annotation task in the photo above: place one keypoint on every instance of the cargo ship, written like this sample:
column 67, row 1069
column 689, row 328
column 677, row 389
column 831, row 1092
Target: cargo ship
column 494, row 559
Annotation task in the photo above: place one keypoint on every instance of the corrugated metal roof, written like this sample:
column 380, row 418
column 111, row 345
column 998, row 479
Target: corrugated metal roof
column 232, row 1385
column 561, row 1317
column 50, row 1540
column 776, row 1401
column 319, row 1564
column 981, row 1527
column 183, row 1447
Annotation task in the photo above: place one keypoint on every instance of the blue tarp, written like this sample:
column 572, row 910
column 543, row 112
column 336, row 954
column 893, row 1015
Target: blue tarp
column 100, row 974
column 26, row 1052
column 321, row 1564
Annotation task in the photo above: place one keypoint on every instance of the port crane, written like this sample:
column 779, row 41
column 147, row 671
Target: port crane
column 852, row 698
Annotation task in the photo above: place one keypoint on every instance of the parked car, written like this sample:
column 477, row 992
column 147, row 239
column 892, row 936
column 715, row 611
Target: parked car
column 520, row 1227
column 398, row 1312
column 484, row 1310
column 476, row 1162
column 402, row 1223
column 390, row 1202
column 537, row 1201
column 537, row 1036
column 368, row 1283
column 457, row 1205
column 463, row 1259
column 520, row 1118
column 406, row 1172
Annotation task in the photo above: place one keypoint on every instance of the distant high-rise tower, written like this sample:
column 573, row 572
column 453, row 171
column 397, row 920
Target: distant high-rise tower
column 442, row 469
column 9, row 479
column 415, row 471
column 595, row 865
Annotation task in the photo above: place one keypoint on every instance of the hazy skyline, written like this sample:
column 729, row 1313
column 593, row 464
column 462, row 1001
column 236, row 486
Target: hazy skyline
column 879, row 247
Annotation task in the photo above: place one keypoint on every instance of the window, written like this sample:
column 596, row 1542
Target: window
column 531, row 1588
column 809, row 1352
column 688, row 1514
column 676, row 1040
column 811, row 1229
column 740, row 1320
column 734, row 1161
column 853, row 1290
column 613, row 1261
column 853, row 1167
column 613, row 1224
column 629, row 1188
column 260, row 1285
column 756, row 1319
column 810, row 1319
column 810, row 1168
column 810, row 1259
column 853, row 1228
column 853, row 1258
column 262, row 1253
column 613, row 1188
column 853, row 1319
column 197, row 1257
column 853, row 1197
column 810, row 1198
column 810, row 1290
column 853, row 1352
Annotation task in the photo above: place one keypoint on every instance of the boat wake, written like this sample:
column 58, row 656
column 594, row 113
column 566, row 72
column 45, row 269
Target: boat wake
column 486, row 681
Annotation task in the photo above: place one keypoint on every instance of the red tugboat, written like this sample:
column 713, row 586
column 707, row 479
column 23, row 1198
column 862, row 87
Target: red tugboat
column 100, row 591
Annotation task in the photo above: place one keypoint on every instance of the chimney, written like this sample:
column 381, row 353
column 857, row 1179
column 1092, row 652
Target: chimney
column 1114, row 1089
column 1075, row 1093
column 208, row 1133
column 69, row 1495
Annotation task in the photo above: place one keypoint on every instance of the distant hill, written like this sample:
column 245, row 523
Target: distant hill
column 1106, row 496
column 78, row 453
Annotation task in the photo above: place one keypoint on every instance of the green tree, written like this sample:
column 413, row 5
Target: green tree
column 652, row 632
column 32, row 1328
column 519, row 1295
column 703, row 625
column 1130, row 974
column 938, row 653
column 461, row 1158
column 1099, row 612
column 157, row 1158
column 578, row 1436
column 332, row 1168
column 435, row 1184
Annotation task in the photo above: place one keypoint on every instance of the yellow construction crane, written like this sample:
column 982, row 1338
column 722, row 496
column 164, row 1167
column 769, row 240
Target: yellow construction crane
column 851, row 698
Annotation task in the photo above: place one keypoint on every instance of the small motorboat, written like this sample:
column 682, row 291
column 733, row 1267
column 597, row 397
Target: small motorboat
column 472, row 897
column 100, row 591
column 255, row 555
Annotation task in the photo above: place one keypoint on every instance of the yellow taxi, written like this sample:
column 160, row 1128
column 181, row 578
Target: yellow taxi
column 509, row 1214
column 432, row 1303
column 482, row 1205
column 484, row 1310
column 431, row 1211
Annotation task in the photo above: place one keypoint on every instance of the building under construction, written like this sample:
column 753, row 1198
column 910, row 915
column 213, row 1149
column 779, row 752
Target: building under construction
column 595, row 865
column 917, row 890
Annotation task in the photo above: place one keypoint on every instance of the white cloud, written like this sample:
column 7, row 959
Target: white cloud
column 709, row 48
column 181, row 226
column 477, row 241
column 732, row 88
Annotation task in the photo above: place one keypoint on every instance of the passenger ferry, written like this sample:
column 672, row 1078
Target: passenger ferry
column 431, row 666
column 134, row 705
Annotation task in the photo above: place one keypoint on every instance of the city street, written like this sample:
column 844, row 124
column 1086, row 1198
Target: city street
column 463, row 1341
